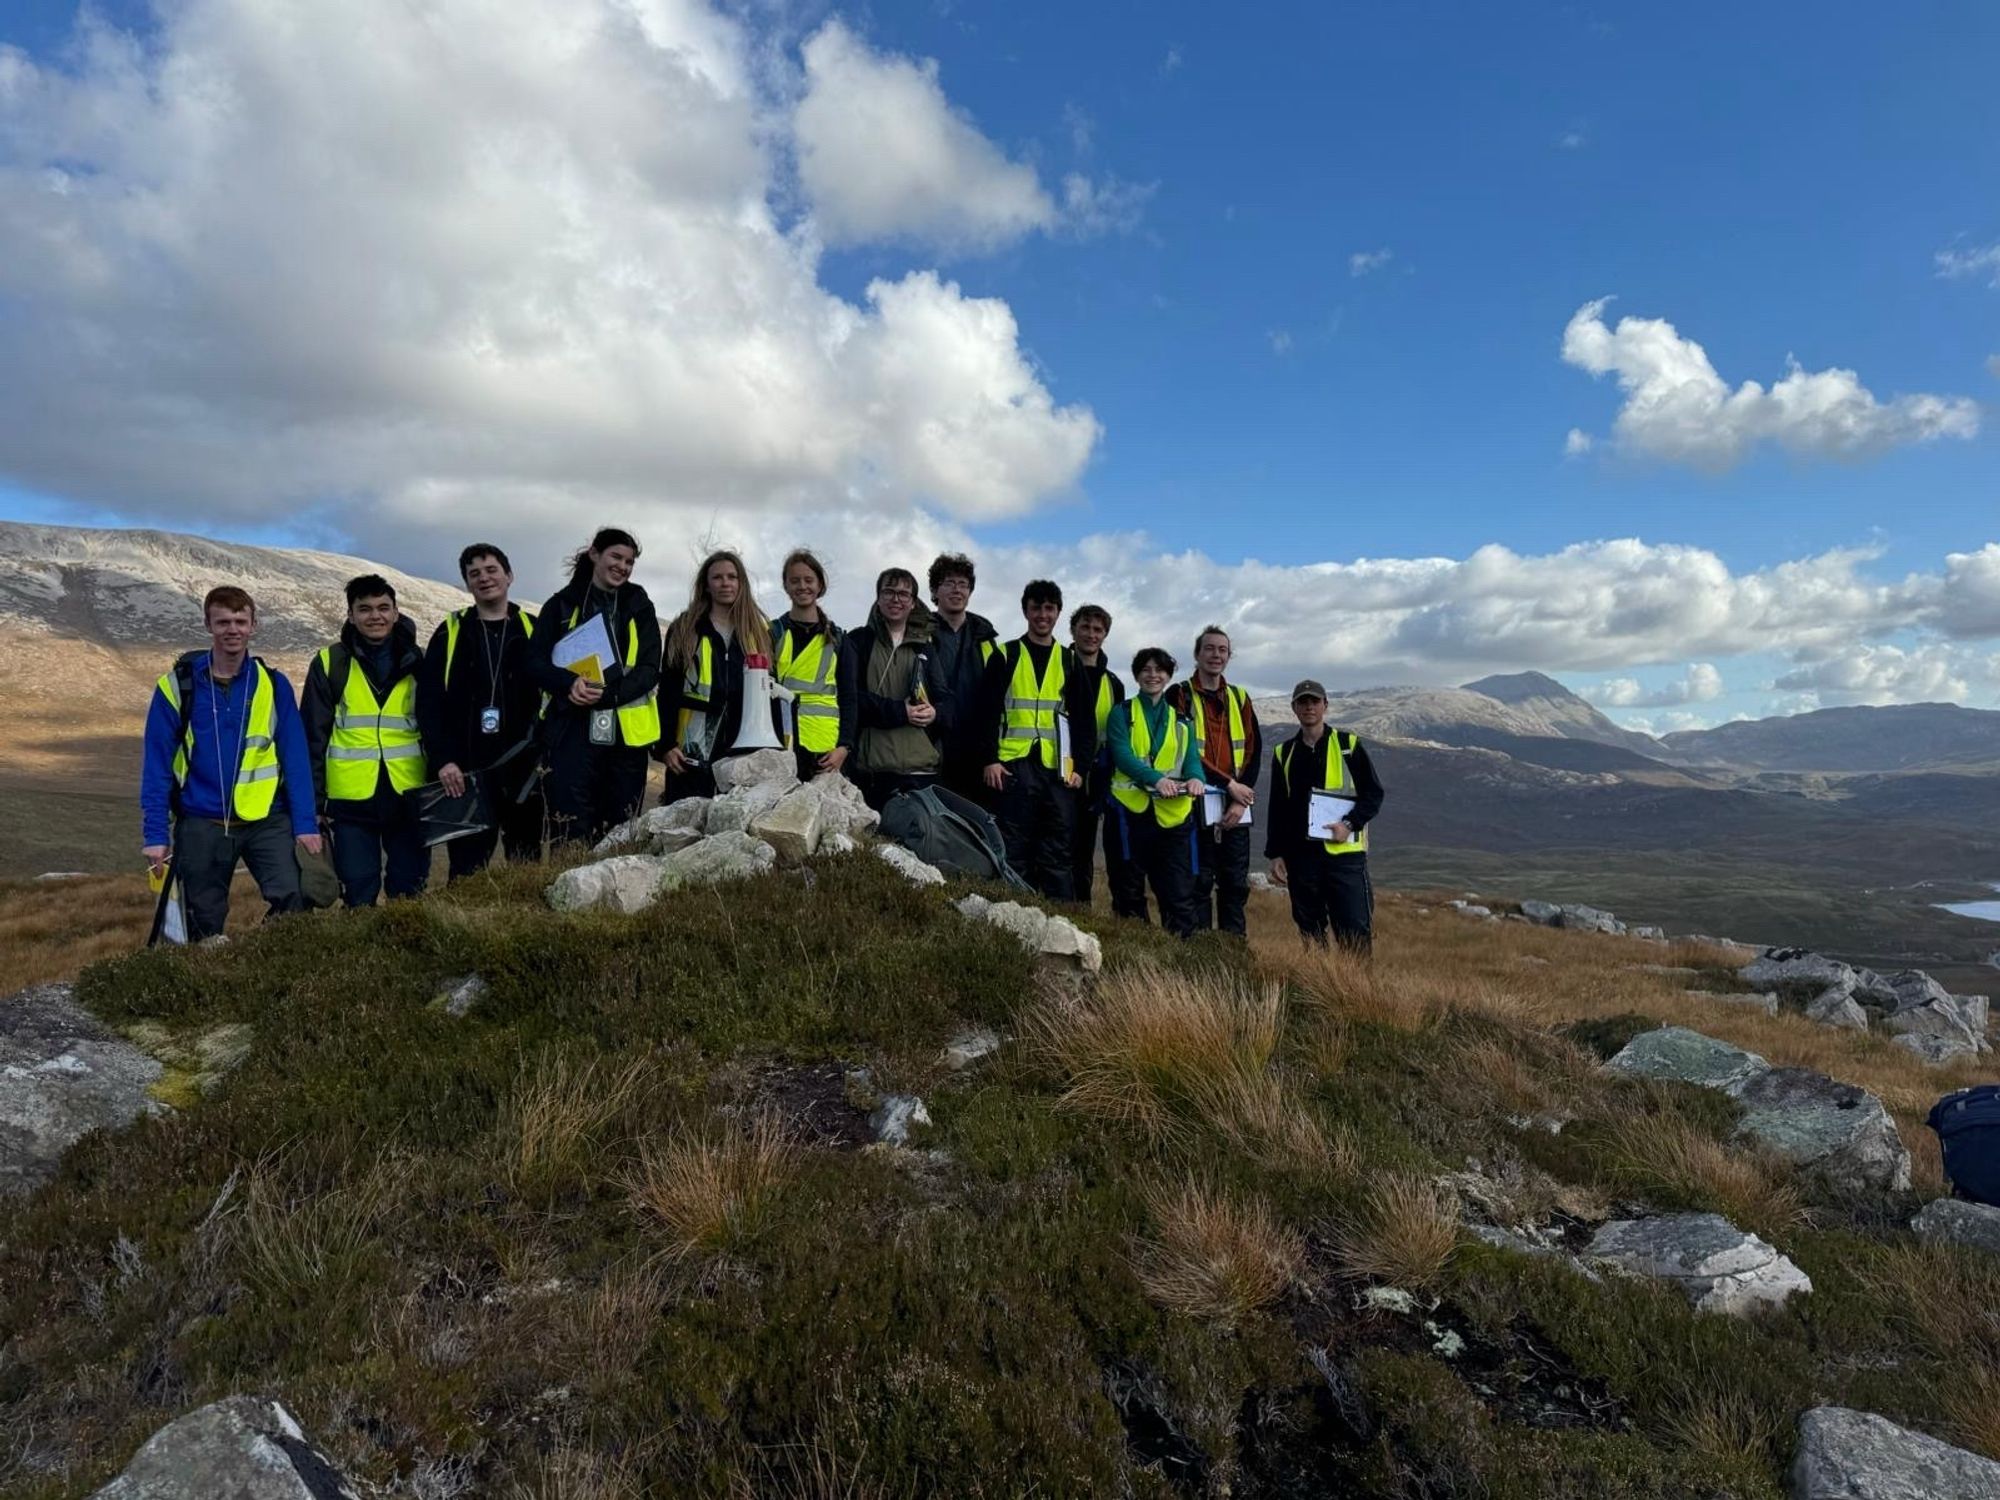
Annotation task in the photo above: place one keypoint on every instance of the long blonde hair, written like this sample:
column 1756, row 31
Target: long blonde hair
column 746, row 620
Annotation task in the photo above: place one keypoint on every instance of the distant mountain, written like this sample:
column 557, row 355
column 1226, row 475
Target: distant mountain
column 1903, row 737
column 1556, row 711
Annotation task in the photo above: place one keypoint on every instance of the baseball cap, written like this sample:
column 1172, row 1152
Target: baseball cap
column 1308, row 689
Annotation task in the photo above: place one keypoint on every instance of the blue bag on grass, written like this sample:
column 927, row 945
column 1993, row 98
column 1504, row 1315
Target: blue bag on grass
column 1968, row 1128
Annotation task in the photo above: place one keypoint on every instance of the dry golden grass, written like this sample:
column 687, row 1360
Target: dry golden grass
column 1944, row 1297
column 1727, row 1428
column 583, row 1474
column 50, row 929
column 708, row 1191
column 1215, row 1257
column 1974, row 1406
column 1403, row 1233
column 558, row 1113
column 1663, row 1153
column 292, row 1235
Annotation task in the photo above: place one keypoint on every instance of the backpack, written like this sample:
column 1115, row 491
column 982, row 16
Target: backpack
column 944, row 829
column 1968, row 1128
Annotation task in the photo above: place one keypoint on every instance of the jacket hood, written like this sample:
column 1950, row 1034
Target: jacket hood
column 916, row 630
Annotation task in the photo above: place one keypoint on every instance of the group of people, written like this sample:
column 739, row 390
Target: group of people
column 1043, row 734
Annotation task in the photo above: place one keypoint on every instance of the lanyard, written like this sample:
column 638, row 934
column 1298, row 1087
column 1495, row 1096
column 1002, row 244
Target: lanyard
column 494, row 661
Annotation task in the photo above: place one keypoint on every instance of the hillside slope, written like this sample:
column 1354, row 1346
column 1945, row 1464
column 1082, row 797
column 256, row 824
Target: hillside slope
column 1897, row 737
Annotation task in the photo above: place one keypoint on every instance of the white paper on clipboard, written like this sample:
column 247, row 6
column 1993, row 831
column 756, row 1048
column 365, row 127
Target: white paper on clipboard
column 590, row 639
column 1215, row 802
column 1323, row 810
column 1065, row 754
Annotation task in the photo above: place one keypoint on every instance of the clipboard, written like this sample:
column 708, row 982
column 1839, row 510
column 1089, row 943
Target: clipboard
column 1323, row 810
column 1215, row 802
column 170, row 912
column 443, row 817
column 1065, row 750
column 585, row 650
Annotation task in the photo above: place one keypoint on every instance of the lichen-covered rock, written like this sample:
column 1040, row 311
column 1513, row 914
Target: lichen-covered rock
column 1834, row 1131
column 968, row 1047
column 758, row 768
column 906, row 864
column 1684, row 1056
column 1722, row 1269
column 1801, row 966
column 63, row 1074
column 793, row 826
column 242, row 1448
column 624, row 883
column 193, row 1063
column 735, row 811
column 1960, row 1023
column 1836, row 1006
column 726, row 856
column 1855, row 1455
column 1932, row 1048
column 1958, row 1221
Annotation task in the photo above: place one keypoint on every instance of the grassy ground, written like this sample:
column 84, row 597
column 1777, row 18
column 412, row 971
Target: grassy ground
column 613, row 1234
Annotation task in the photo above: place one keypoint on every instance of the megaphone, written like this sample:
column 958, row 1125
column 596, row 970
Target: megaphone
column 756, row 731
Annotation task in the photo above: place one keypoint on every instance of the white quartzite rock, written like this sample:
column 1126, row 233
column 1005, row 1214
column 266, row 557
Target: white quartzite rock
column 759, row 767
column 625, row 882
column 1957, row 1221
column 1720, row 1267
column 62, row 1075
column 793, row 826
column 1057, row 937
column 242, row 1448
column 895, row 1116
column 1834, row 1131
column 1856, row 1455
column 660, row 831
column 837, row 843
column 735, row 811
column 908, row 865
column 724, row 856
column 842, row 808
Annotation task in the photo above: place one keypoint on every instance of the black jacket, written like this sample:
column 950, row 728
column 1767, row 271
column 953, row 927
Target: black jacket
column 964, row 668
column 843, row 680
column 405, row 660
column 1097, row 774
column 1285, row 818
column 725, row 704
column 449, row 711
column 1079, row 702
column 622, row 685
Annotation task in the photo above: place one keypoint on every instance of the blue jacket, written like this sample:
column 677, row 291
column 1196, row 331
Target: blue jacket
column 217, row 719
column 1159, row 717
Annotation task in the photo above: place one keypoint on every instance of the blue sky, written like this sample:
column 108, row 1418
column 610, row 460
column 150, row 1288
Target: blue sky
column 1776, row 183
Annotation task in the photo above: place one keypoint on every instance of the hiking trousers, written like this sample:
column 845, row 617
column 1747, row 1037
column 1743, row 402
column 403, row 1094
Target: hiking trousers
column 591, row 789
column 1222, row 879
column 363, row 852
column 205, row 856
column 517, row 825
column 1331, row 897
column 1037, row 817
column 1151, row 855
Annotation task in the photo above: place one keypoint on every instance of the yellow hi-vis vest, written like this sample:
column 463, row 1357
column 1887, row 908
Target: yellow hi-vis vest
column 1104, row 703
column 257, row 766
column 367, row 734
column 452, row 623
column 1028, row 722
column 1239, row 736
column 697, row 690
column 1336, row 780
column 1171, row 756
column 812, row 674
column 639, row 720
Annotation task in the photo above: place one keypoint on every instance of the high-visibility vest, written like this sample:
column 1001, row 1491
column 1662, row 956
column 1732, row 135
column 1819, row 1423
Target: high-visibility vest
column 457, row 618
column 1028, row 722
column 639, row 720
column 367, row 734
column 257, row 767
column 1169, row 759
column 812, row 674
column 1104, row 703
column 1239, row 735
column 1337, row 780
column 697, row 691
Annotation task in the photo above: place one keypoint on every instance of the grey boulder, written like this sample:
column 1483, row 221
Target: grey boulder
column 660, row 831
column 1959, row 1022
column 1721, row 1268
column 1677, row 1054
column 734, row 811
column 63, row 1074
column 625, row 883
column 1932, row 1048
column 1589, row 919
column 242, row 1448
column 1836, row 1132
column 1836, row 1006
column 1799, row 966
column 723, row 856
column 793, row 826
column 1541, row 913
column 758, row 768
column 1855, row 1455
column 1954, row 1221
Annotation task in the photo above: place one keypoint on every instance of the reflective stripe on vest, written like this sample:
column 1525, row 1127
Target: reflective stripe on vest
column 639, row 720
column 812, row 675
column 257, row 771
column 1239, row 736
column 452, row 622
column 697, row 689
column 1029, row 720
column 1336, row 780
column 1168, row 761
column 367, row 734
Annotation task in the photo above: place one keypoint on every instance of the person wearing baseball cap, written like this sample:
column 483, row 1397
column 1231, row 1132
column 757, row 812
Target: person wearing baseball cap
column 1324, row 793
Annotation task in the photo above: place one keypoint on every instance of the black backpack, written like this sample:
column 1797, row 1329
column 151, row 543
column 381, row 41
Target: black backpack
column 944, row 829
column 1968, row 1128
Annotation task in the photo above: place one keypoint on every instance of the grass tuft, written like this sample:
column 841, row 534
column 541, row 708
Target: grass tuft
column 1403, row 1233
column 557, row 1115
column 1216, row 1258
column 709, row 1191
column 1673, row 1159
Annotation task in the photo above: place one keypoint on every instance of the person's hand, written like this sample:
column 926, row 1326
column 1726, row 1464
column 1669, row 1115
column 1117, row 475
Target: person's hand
column 834, row 759
column 1166, row 786
column 1278, row 875
column 1242, row 795
column 996, row 777
column 675, row 762
column 584, row 693
column 1232, row 815
column 1073, row 780
column 923, row 715
column 452, row 780
column 1340, row 833
column 156, row 857
column 310, row 843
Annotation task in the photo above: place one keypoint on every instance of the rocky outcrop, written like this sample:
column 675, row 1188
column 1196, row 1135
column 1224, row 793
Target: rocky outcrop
column 1050, row 936
column 661, row 831
column 1836, row 1006
column 1955, row 1221
column 1578, row 918
column 1833, row 1131
column 722, row 856
column 1920, row 1013
column 1679, row 1055
column 735, row 810
column 1797, row 966
column 896, row 1116
column 1855, row 1455
column 63, row 1074
column 242, row 1448
column 1722, row 1269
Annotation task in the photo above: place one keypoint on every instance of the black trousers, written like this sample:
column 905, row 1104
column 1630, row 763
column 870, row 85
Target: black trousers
column 1037, row 817
column 1331, row 896
column 591, row 789
column 1151, row 855
column 517, row 825
column 1222, row 879
column 362, row 850
column 205, row 856
column 967, row 776
column 1083, row 847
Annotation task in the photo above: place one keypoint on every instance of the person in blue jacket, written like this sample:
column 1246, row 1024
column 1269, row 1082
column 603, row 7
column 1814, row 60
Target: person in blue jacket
column 1156, row 782
column 226, row 774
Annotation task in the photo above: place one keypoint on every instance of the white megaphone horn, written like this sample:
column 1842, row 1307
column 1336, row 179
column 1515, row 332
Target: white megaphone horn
column 757, row 732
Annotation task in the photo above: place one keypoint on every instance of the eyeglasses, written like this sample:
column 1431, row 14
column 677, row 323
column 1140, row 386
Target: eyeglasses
column 895, row 594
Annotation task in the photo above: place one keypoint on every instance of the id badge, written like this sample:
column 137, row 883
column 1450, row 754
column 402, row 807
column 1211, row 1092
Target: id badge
column 604, row 726
column 489, row 721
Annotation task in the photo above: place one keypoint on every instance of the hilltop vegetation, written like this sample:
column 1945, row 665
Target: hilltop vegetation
column 616, row 1232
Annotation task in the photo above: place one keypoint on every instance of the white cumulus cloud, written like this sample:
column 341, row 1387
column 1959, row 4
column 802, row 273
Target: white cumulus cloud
column 1577, row 443
column 1955, row 261
column 1701, row 684
column 1679, row 409
column 1876, row 672
column 1363, row 262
